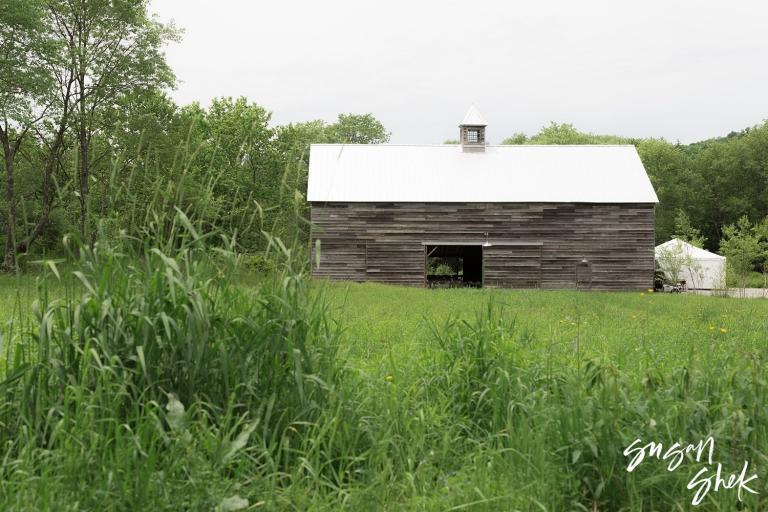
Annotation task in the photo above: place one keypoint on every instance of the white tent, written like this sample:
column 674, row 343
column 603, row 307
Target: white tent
column 700, row 269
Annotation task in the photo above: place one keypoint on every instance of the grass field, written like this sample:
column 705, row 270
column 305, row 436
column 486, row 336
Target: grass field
column 439, row 400
column 635, row 331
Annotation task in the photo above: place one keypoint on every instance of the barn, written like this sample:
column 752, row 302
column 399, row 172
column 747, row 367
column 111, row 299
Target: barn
column 473, row 214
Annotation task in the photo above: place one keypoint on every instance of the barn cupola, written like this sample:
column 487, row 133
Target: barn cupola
column 472, row 131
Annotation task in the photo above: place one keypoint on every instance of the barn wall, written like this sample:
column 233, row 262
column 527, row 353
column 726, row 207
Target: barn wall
column 512, row 266
column 533, row 244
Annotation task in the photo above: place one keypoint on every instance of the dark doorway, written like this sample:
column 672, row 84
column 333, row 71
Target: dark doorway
column 454, row 266
column 584, row 275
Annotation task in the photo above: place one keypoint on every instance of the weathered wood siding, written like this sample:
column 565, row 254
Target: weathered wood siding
column 342, row 260
column 512, row 266
column 394, row 261
column 534, row 245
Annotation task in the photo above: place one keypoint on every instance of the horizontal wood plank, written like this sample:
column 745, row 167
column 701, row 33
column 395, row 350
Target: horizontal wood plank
column 385, row 241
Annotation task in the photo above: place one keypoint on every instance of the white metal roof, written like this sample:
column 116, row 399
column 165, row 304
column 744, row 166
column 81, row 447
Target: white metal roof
column 473, row 118
column 689, row 250
column 444, row 173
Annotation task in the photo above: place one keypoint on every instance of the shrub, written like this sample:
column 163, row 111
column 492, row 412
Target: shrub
column 258, row 263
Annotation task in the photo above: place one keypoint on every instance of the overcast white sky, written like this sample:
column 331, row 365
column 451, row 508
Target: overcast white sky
column 685, row 70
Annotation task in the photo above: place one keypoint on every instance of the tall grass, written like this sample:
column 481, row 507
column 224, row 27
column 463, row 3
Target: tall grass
column 152, row 379
column 156, row 382
column 574, row 424
column 149, row 376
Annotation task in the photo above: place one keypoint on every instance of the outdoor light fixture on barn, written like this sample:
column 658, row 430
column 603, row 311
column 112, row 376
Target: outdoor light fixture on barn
column 474, row 214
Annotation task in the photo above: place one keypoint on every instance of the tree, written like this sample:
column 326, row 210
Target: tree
column 112, row 49
column 243, row 158
column 358, row 129
column 134, row 151
column 25, row 80
column 292, row 141
column 734, row 179
column 240, row 132
column 675, row 261
column 516, row 139
column 741, row 244
column 565, row 133
column 686, row 232
column 669, row 169
column 222, row 156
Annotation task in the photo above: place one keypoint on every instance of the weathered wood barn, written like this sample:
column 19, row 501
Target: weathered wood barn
column 522, row 216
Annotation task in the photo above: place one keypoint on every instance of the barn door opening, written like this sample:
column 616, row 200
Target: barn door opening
column 454, row 266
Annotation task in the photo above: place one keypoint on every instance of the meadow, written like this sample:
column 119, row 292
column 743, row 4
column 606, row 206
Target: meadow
column 177, row 382
column 177, row 356
column 637, row 331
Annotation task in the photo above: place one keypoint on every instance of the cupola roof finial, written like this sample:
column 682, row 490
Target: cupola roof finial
column 473, row 118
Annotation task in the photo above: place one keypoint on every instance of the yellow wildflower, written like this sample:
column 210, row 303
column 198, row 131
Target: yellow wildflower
column 723, row 330
column 389, row 378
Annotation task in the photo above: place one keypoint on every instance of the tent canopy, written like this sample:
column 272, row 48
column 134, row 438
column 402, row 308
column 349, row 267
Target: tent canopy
column 698, row 267
column 688, row 249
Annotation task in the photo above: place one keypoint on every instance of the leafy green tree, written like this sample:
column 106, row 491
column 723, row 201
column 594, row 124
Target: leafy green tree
column 240, row 132
column 516, row 139
column 243, row 158
column 669, row 169
column 291, row 145
column 139, row 129
column 292, row 141
column 685, row 231
column 560, row 134
column 741, row 244
column 112, row 49
column 226, row 157
column 358, row 129
column 26, row 52
column 135, row 150
column 734, row 175
column 565, row 133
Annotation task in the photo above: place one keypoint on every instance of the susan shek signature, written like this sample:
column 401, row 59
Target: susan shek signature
column 706, row 480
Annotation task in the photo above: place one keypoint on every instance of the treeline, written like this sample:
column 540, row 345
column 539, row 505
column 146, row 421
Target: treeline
column 706, row 186
column 86, row 125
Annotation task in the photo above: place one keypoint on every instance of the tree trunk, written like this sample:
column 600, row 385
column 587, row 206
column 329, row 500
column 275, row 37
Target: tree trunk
column 47, row 199
column 9, row 261
column 83, row 175
column 50, row 168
